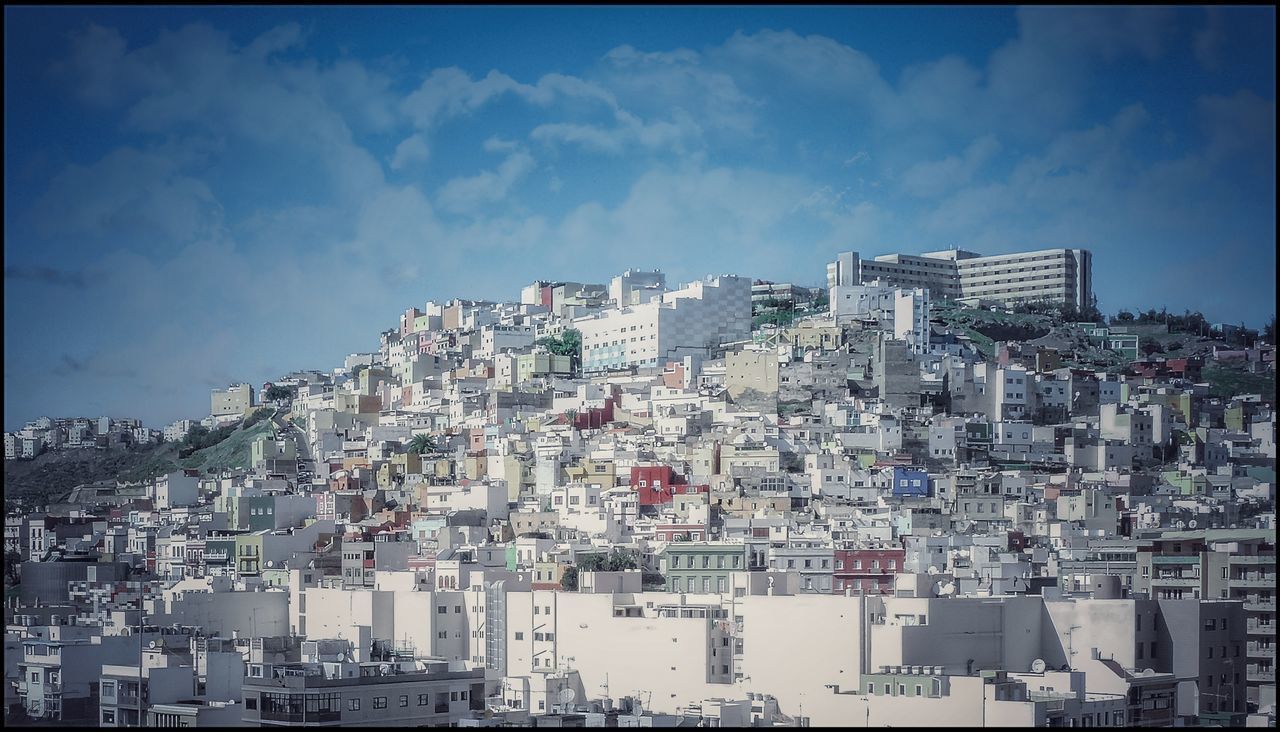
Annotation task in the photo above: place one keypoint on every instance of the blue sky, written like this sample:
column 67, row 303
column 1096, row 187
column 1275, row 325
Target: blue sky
column 196, row 196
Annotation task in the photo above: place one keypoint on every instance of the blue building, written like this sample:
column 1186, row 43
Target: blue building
column 910, row 482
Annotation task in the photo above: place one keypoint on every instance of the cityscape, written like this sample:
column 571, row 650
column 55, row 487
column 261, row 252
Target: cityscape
column 654, row 421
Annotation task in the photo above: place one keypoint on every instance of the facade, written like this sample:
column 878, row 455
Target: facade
column 701, row 566
column 1054, row 275
column 235, row 400
column 360, row 694
column 694, row 320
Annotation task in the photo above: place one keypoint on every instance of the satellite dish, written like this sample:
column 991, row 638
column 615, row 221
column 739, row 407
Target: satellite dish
column 1191, row 524
column 384, row 668
column 1179, row 524
column 270, row 564
column 1148, row 672
column 152, row 644
column 566, row 696
column 1038, row 666
column 932, row 569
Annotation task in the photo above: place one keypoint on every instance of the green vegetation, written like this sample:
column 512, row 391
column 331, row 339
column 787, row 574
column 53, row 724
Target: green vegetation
column 1226, row 382
column 231, row 452
column 616, row 560
column 256, row 416
column 422, row 444
column 279, row 393
column 568, row 343
column 51, row 476
column 780, row 318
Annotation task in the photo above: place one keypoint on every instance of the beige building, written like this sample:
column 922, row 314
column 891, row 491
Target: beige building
column 235, row 400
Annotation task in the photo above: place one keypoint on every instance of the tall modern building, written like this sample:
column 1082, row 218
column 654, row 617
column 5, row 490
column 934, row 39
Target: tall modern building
column 690, row 321
column 1055, row 275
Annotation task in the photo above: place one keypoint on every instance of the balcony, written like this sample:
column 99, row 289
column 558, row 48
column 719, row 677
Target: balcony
column 1267, row 676
column 1256, row 605
column 1253, row 627
column 1254, row 581
column 1259, row 650
column 1177, row 580
column 1158, row 559
column 1266, row 559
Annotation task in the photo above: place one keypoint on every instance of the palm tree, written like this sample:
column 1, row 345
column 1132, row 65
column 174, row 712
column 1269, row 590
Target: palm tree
column 422, row 443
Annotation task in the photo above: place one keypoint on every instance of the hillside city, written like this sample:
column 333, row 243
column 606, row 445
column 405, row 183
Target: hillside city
column 944, row 488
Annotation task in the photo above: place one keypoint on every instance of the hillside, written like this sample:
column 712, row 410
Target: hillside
column 52, row 475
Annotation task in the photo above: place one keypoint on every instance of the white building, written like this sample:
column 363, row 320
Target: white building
column 635, row 287
column 690, row 321
column 1059, row 275
column 904, row 311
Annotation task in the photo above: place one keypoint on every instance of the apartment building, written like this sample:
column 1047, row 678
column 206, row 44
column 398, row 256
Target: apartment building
column 694, row 321
column 232, row 401
column 1222, row 564
column 1057, row 275
column 371, row 693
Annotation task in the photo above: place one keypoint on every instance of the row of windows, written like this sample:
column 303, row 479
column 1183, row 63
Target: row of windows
column 678, row 584
column 706, row 561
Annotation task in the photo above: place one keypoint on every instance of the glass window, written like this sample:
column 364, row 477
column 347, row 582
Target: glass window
column 353, row 705
column 404, row 700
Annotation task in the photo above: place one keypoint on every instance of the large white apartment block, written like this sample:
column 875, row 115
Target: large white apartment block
column 634, row 287
column 1057, row 275
column 904, row 311
column 690, row 321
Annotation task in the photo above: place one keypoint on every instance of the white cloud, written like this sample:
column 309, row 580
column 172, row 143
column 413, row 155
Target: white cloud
column 413, row 149
column 129, row 192
column 1208, row 41
column 932, row 178
column 465, row 195
column 497, row 144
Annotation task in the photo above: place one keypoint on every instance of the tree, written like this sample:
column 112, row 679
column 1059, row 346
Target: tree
column 1150, row 345
column 568, row 343
column 569, row 580
column 1269, row 331
column 422, row 443
column 276, row 393
column 1124, row 316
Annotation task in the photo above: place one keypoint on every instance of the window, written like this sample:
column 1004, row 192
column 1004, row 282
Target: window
column 379, row 702
column 919, row 690
column 353, row 705
column 422, row 700
column 519, row 635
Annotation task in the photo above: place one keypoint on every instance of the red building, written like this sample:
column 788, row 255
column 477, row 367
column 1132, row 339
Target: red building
column 870, row 571
column 659, row 484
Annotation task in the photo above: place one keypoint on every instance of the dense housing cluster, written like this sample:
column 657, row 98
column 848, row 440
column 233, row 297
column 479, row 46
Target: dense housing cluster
column 629, row 505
